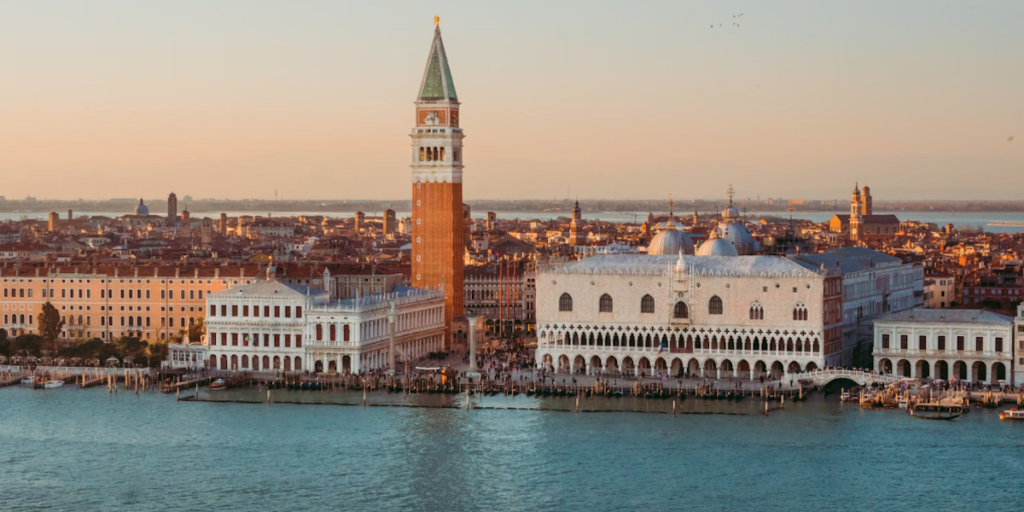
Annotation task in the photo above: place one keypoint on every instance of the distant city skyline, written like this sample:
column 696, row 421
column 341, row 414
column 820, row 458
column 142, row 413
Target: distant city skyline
column 601, row 101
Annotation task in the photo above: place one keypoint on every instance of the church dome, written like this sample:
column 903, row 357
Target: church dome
column 717, row 247
column 730, row 213
column 670, row 241
column 141, row 209
column 739, row 236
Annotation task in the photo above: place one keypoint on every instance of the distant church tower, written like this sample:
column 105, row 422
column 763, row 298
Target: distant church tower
column 437, row 234
column 856, row 207
column 575, row 237
column 865, row 202
column 172, row 208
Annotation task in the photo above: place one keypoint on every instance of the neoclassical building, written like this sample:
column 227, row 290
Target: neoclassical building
column 966, row 344
column 735, row 316
column 275, row 326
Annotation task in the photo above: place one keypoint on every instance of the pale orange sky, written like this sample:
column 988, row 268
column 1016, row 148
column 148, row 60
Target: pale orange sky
column 608, row 99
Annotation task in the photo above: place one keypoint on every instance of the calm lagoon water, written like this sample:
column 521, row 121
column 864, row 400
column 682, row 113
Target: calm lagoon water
column 70, row 449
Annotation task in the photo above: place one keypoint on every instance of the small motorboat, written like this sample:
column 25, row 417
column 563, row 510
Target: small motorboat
column 28, row 381
column 50, row 384
column 1012, row 415
column 218, row 385
column 904, row 403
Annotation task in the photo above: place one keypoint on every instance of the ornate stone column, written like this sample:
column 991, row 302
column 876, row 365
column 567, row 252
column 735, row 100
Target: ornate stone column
column 471, row 317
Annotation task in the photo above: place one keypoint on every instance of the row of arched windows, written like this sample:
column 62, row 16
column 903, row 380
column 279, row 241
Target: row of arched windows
column 431, row 154
column 673, row 341
column 256, row 363
column 607, row 305
column 715, row 307
column 800, row 312
column 756, row 312
column 332, row 332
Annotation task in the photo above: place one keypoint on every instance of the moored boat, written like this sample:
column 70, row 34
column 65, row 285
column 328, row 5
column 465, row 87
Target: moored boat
column 1012, row 415
column 28, row 381
column 218, row 385
column 50, row 384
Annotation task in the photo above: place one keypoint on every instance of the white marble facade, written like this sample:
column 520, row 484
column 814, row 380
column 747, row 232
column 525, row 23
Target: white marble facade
column 739, row 316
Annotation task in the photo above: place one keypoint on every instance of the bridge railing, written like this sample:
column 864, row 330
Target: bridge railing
column 855, row 375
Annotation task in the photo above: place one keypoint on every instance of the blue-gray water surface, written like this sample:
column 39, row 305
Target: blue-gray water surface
column 69, row 449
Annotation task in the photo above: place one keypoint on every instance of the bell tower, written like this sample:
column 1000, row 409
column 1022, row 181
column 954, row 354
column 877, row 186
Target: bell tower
column 437, row 234
column 575, row 237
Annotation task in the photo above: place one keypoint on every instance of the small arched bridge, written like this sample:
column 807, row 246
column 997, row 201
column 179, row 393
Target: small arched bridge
column 862, row 378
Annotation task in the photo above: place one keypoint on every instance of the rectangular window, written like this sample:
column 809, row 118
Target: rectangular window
column 298, row 341
column 147, row 294
column 942, row 343
column 298, row 311
column 130, row 294
column 885, row 341
column 88, row 294
column 234, row 310
column 191, row 295
column 122, row 294
column 266, row 311
column 266, row 340
column 213, row 311
column 960, row 343
column 234, row 339
column 63, row 293
column 903, row 342
column 277, row 311
column 277, row 340
column 922, row 343
column 245, row 310
column 200, row 295
column 163, row 294
column 979, row 344
column 999, row 344
column 122, row 321
column 213, row 338
column 287, row 311
column 256, row 311
column 183, row 295
column 287, row 340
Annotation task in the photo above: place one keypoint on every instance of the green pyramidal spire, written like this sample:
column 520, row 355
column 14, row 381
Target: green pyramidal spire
column 437, row 82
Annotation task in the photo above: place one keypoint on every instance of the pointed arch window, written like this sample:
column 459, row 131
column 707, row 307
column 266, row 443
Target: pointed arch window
column 605, row 304
column 715, row 306
column 756, row 312
column 565, row 302
column 681, row 311
column 800, row 312
column 647, row 304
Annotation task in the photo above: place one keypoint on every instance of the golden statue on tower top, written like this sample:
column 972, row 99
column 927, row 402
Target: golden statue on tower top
column 437, row 21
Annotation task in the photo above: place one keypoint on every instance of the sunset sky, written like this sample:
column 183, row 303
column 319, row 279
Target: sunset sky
column 615, row 100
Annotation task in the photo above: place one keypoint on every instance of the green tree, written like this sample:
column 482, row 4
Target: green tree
column 27, row 344
column 129, row 346
column 156, row 352
column 50, row 325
